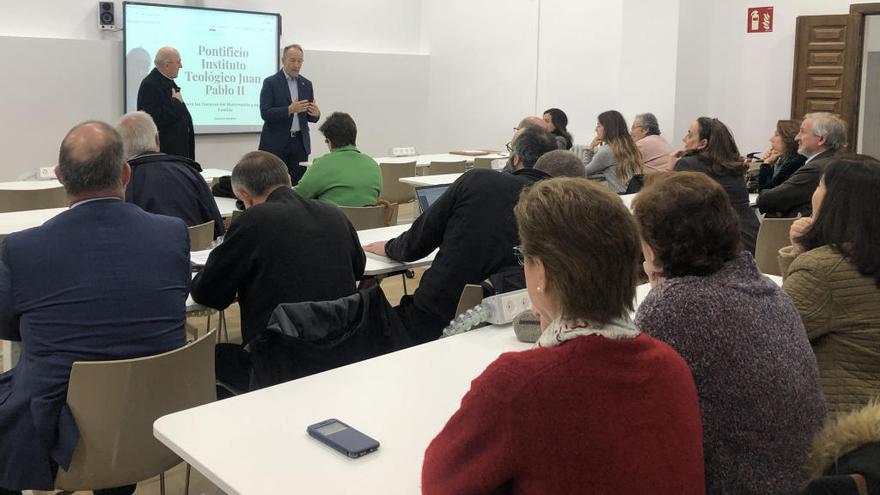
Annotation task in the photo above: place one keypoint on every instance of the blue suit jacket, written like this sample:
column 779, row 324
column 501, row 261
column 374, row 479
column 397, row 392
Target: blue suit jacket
column 274, row 100
column 102, row 281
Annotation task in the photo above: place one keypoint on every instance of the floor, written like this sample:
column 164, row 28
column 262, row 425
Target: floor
column 175, row 478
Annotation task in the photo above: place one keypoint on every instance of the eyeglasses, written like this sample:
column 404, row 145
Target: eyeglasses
column 520, row 255
column 509, row 148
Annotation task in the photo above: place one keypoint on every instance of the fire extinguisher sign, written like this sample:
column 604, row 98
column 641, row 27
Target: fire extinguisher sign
column 759, row 20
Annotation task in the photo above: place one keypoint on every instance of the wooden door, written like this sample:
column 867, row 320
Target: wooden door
column 820, row 65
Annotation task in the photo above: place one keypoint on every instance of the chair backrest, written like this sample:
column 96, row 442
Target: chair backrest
column 201, row 236
column 482, row 162
column 438, row 168
column 772, row 236
column 393, row 190
column 471, row 295
column 115, row 404
column 32, row 199
column 371, row 217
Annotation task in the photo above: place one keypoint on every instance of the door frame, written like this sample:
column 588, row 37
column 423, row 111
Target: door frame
column 855, row 32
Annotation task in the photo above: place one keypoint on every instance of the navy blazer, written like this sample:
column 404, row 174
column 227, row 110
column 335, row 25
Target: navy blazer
column 274, row 100
column 102, row 281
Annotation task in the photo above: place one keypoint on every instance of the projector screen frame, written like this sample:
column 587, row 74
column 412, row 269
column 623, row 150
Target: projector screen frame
column 186, row 7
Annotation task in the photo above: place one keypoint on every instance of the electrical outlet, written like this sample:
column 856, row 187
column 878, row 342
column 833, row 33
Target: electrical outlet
column 46, row 173
column 403, row 151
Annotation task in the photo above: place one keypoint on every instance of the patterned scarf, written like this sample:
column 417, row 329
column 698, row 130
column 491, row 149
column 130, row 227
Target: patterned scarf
column 560, row 331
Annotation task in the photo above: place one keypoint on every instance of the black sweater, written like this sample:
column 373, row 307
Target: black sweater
column 473, row 225
column 288, row 249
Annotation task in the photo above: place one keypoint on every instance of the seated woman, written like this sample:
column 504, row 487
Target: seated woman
column 598, row 407
column 783, row 158
column 756, row 375
column 617, row 160
column 557, row 122
column 833, row 276
column 344, row 176
column 709, row 148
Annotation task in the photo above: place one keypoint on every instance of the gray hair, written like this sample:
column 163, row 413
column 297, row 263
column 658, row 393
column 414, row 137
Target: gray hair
column 532, row 143
column 561, row 163
column 258, row 172
column 138, row 132
column 829, row 126
column 163, row 56
column 288, row 47
column 91, row 159
column 648, row 122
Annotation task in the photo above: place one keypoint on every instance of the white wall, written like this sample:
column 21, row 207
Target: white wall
column 62, row 40
column 750, row 75
column 384, row 26
column 482, row 75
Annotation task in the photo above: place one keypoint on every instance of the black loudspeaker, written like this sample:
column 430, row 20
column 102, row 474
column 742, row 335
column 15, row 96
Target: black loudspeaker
column 106, row 18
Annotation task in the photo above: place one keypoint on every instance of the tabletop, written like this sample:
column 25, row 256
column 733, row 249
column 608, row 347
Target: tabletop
column 425, row 160
column 29, row 185
column 378, row 265
column 431, row 180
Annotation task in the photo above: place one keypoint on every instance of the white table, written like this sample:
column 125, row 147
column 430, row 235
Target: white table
column 214, row 173
column 226, row 206
column 753, row 199
column 425, row 160
column 431, row 180
column 378, row 265
column 30, row 185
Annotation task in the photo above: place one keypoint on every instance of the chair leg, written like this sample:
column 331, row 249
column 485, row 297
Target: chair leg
column 208, row 327
column 222, row 328
column 162, row 483
column 403, row 277
column 186, row 483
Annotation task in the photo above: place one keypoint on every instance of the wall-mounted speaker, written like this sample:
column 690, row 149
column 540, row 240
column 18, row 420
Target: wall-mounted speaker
column 106, row 17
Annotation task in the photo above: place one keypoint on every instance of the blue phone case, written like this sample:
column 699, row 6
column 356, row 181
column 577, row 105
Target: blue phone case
column 347, row 440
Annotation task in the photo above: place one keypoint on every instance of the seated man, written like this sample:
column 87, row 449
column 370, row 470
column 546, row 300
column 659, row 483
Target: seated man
column 560, row 163
column 822, row 135
column 161, row 183
column 654, row 149
column 473, row 225
column 345, row 176
column 104, row 280
column 283, row 248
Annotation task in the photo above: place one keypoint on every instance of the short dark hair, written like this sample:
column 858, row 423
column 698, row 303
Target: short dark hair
column 847, row 218
column 687, row 220
column 91, row 163
column 531, row 143
column 561, row 163
column 721, row 149
column 588, row 243
column 258, row 172
column 339, row 128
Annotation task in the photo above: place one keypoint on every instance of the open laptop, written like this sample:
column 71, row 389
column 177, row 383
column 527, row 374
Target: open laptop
column 428, row 194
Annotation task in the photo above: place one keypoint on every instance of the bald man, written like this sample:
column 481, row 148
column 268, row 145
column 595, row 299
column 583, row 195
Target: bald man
column 101, row 281
column 160, row 97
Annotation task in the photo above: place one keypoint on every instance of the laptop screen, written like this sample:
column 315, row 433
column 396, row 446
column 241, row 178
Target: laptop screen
column 428, row 194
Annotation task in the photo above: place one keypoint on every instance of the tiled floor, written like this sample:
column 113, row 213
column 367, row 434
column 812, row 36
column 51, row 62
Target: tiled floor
column 174, row 479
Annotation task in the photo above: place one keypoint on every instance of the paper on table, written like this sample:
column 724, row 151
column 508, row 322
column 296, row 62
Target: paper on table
column 199, row 258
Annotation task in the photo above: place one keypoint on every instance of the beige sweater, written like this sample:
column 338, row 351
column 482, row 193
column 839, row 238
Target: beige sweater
column 841, row 313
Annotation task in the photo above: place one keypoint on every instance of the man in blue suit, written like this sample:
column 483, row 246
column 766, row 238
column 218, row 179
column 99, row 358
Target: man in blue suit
column 287, row 105
column 104, row 280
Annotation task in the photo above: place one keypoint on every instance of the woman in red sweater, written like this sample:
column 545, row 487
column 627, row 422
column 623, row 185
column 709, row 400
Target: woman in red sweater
column 597, row 407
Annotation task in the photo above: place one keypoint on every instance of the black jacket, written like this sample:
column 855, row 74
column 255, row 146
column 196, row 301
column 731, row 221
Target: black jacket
column 735, row 187
column 787, row 167
column 310, row 337
column 795, row 195
column 176, row 135
column 172, row 185
column 288, row 249
column 473, row 225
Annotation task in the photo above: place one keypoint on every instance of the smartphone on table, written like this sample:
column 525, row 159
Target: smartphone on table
column 343, row 438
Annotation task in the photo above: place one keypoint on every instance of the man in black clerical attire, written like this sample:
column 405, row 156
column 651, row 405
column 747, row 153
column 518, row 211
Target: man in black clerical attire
column 160, row 97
